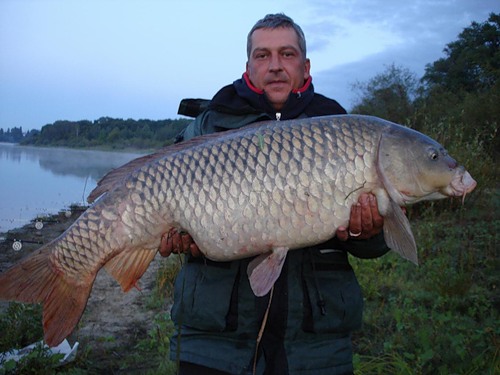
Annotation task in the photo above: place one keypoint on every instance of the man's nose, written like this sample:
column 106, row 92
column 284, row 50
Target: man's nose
column 275, row 63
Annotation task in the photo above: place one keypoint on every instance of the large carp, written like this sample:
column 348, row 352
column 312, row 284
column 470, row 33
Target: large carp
column 260, row 190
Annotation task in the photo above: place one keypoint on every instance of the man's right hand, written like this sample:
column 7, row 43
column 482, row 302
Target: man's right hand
column 178, row 242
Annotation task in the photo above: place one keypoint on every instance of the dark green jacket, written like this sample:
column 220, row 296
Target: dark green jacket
column 316, row 301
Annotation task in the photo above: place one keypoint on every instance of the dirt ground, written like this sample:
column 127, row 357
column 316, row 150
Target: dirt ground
column 112, row 320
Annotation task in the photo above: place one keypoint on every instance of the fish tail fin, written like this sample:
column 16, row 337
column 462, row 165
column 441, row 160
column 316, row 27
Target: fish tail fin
column 36, row 280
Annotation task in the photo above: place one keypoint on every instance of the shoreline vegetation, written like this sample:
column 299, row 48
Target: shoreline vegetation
column 105, row 133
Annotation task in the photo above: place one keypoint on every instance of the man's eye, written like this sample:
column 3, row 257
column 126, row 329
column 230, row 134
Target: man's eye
column 260, row 55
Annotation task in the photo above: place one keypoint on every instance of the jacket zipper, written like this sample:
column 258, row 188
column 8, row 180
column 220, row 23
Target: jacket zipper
column 278, row 116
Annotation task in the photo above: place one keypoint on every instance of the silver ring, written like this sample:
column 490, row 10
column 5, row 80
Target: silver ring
column 354, row 234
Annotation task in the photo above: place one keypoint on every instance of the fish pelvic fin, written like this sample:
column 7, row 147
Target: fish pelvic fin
column 128, row 267
column 36, row 280
column 398, row 234
column 264, row 270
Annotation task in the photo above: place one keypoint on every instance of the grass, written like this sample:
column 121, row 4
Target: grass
column 441, row 317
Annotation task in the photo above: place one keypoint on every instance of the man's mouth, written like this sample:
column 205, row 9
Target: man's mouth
column 276, row 84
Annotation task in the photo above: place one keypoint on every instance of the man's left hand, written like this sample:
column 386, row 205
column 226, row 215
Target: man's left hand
column 178, row 242
column 365, row 220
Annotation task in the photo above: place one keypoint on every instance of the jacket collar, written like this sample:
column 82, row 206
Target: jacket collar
column 260, row 92
column 243, row 98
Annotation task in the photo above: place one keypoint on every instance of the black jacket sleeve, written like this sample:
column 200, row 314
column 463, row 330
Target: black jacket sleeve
column 366, row 249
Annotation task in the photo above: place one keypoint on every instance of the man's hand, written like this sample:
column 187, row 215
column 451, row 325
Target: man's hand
column 178, row 242
column 365, row 220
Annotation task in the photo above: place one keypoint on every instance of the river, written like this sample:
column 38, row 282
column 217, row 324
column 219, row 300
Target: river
column 35, row 182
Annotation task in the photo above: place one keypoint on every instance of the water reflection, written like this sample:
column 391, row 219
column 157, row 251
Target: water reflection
column 39, row 181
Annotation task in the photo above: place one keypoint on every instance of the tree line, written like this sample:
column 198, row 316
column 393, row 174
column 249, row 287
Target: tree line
column 13, row 135
column 106, row 132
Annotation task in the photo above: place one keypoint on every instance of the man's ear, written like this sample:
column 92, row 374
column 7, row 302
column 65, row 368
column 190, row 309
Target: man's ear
column 307, row 69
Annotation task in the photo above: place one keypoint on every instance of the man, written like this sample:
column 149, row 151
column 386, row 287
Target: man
column 316, row 302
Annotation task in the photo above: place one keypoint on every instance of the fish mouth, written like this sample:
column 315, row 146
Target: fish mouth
column 461, row 184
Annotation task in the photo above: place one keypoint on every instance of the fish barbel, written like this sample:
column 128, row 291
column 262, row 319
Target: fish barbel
column 261, row 190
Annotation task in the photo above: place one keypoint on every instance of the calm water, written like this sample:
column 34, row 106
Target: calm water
column 39, row 181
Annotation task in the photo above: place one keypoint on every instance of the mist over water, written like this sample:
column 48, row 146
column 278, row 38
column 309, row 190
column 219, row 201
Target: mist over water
column 38, row 181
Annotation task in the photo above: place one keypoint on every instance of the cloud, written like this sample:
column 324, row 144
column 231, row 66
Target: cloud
column 416, row 34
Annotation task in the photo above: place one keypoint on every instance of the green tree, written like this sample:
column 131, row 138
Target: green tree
column 388, row 95
column 114, row 135
column 464, row 87
column 16, row 134
column 472, row 63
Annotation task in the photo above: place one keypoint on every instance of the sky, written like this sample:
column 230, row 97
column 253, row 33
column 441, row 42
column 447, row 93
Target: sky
column 82, row 60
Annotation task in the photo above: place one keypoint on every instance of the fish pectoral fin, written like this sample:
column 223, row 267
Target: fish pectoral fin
column 398, row 234
column 264, row 270
column 128, row 267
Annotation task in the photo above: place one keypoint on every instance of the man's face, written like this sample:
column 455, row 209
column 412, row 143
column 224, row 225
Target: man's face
column 276, row 64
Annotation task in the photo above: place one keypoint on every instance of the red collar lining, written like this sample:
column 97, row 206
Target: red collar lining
column 249, row 84
column 303, row 88
column 259, row 91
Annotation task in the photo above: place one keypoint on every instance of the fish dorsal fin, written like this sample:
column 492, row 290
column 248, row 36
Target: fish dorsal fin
column 128, row 267
column 264, row 270
column 114, row 177
column 398, row 234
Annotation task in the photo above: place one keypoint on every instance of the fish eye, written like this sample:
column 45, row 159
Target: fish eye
column 433, row 153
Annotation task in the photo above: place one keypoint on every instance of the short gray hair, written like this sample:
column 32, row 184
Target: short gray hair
column 274, row 21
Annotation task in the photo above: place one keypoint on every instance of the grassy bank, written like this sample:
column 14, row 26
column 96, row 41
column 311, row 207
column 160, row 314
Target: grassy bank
column 441, row 317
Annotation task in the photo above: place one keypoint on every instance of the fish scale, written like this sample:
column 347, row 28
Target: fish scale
column 257, row 191
column 271, row 190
